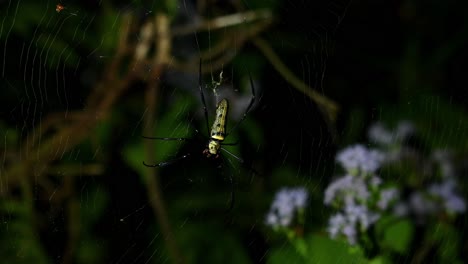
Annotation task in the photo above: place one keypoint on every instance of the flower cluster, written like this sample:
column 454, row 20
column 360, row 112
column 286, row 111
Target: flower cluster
column 380, row 135
column 440, row 195
column 287, row 204
column 358, row 195
column 444, row 159
column 358, row 159
column 438, row 198
column 447, row 195
column 347, row 222
column 392, row 141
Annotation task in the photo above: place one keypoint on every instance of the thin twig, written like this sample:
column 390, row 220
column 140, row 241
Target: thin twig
column 224, row 51
column 153, row 189
column 329, row 107
column 224, row 22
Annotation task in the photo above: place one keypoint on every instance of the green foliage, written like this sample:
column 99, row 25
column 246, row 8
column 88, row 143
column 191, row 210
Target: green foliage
column 446, row 236
column 55, row 50
column 25, row 18
column 325, row 250
column 107, row 32
column 10, row 135
column 19, row 240
column 133, row 155
column 53, row 32
column 396, row 234
column 285, row 254
column 441, row 124
column 355, row 126
column 211, row 243
column 91, row 249
column 380, row 260
column 316, row 249
column 172, row 123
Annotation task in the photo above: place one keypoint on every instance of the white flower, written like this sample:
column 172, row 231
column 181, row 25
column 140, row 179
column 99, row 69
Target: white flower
column 339, row 224
column 386, row 197
column 285, row 205
column 446, row 192
column 361, row 215
column 404, row 130
column 348, row 222
column 335, row 224
column 380, row 135
column 346, row 188
column 271, row 219
column 360, row 158
column 375, row 181
column 350, row 232
column 421, row 205
column 439, row 197
column 298, row 197
column 444, row 159
column 401, row 209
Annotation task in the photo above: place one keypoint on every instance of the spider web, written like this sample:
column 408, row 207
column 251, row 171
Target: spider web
column 80, row 88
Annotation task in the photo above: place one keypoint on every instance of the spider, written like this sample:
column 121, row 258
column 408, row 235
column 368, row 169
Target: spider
column 217, row 134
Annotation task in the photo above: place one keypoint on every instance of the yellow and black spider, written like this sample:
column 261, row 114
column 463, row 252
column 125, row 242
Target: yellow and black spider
column 218, row 134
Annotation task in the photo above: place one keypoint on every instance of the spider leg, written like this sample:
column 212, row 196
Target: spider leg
column 232, row 155
column 172, row 138
column 167, row 138
column 166, row 163
column 202, row 96
column 252, row 100
column 241, row 161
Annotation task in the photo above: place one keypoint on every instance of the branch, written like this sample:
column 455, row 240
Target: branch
column 224, row 22
column 153, row 188
column 329, row 108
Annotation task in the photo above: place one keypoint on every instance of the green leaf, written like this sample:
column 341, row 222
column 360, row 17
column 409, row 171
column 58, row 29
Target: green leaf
column 319, row 249
column 19, row 242
column 210, row 243
column 172, row 124
column 57, row 51
column 325, row 250
column 108, row 24
column 90, row 212
column 91, row 249
column 9, row 135
column 134, row 155
column 380, row 260
column 449, row 243
column 397, row 233
column 285, row 254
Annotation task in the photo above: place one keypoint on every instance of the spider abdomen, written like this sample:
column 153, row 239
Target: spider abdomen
column 218, row 130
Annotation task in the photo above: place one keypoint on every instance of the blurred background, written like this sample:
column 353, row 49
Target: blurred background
column 83, row 82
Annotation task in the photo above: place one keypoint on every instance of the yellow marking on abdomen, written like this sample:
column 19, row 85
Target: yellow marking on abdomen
column 218, row 130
